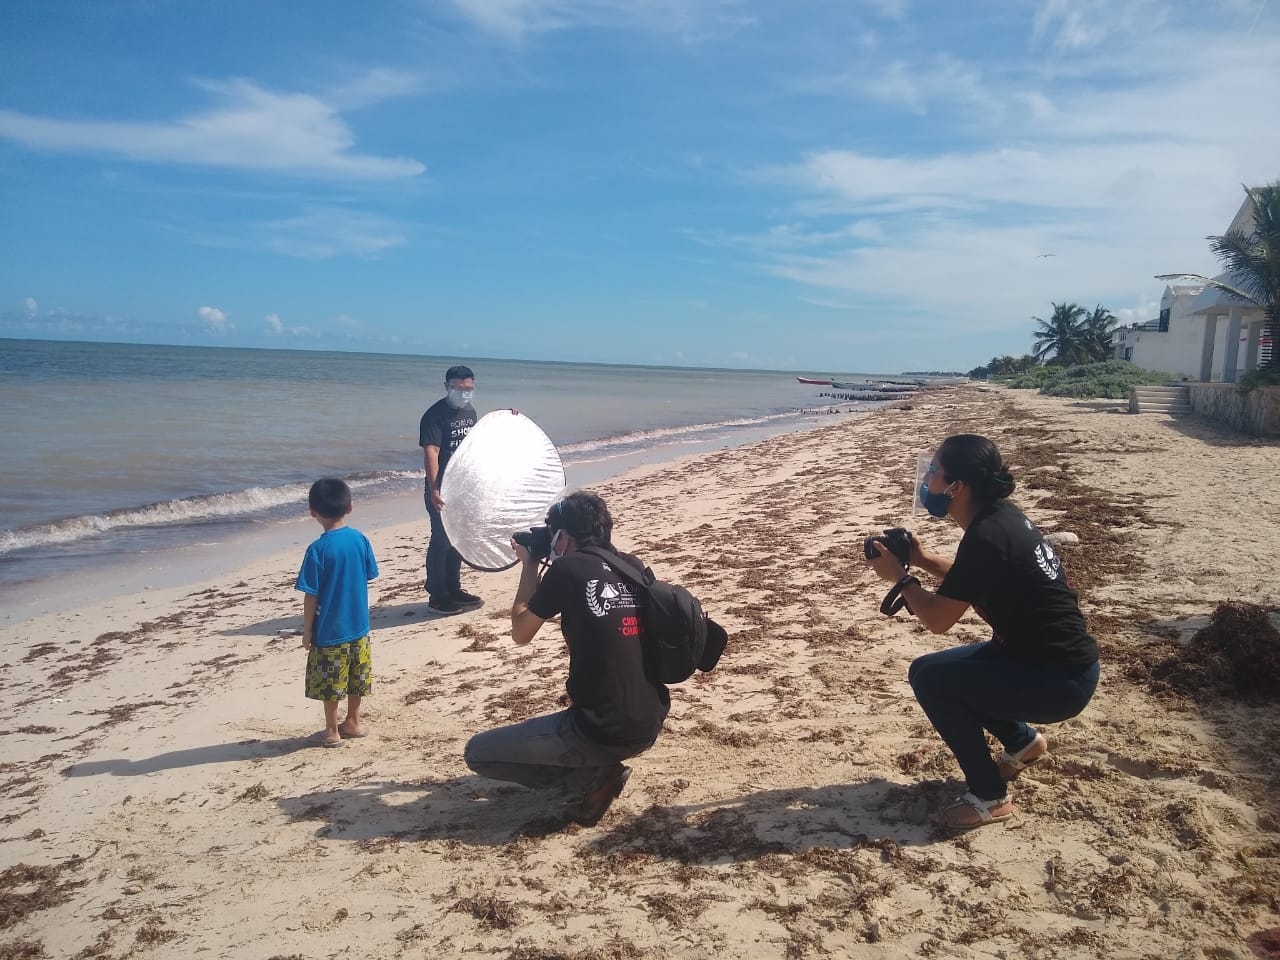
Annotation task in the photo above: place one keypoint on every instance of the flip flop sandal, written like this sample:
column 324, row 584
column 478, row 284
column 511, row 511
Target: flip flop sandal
column 1012, row 764
column 949, row 816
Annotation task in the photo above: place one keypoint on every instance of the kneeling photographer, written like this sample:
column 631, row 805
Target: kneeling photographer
column 1040, row 664
column 616, row 711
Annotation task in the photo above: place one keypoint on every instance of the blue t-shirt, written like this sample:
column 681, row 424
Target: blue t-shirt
column 336, row 571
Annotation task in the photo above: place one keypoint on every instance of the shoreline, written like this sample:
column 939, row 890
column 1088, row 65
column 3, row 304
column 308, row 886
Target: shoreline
column 162, row 775
column 219, row 550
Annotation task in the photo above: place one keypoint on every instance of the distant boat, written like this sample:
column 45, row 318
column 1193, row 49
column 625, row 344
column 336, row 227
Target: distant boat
column 816, row 383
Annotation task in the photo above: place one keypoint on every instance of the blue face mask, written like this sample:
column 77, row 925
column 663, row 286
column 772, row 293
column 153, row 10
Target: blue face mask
column 936, row 503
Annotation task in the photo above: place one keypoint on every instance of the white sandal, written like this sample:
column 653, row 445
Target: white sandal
column 1012, row 764
column 946, row 817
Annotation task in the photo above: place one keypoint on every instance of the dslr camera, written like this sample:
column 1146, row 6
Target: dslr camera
column 537, row 540
column 898, row 542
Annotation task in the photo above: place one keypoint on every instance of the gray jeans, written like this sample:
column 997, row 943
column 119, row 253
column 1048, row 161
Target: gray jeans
column 546, row 751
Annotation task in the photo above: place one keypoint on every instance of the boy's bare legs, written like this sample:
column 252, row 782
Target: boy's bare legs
column 331, row 732
column 351, row 726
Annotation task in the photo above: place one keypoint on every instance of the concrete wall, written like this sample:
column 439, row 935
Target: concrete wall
column 1256, row 412
column 1176, row 351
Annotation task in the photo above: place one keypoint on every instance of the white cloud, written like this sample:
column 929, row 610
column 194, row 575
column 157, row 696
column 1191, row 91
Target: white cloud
column 276, row 327
column 1144, row 309
column 916, row 85
column 514, row 19
column 1075, row 25
column 320, row 233
column 30, row 307
column 60, row 324
column 374, row 87
column 215, row 321
column 250, row 128
column 1120, row 177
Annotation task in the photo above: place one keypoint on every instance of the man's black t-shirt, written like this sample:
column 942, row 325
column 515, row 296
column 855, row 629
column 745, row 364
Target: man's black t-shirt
column 1016, row 583
column 613, row 700
column 444, row 427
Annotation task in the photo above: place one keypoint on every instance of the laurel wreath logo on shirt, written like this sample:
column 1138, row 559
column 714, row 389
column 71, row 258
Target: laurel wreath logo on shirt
column 1048, row 561
column 593, row 599
column 604, row 597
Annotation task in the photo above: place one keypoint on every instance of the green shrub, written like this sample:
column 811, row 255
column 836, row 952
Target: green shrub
column 1262, row 377
column 1104, row 379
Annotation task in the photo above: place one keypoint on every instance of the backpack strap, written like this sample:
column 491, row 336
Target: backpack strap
column 639, row 578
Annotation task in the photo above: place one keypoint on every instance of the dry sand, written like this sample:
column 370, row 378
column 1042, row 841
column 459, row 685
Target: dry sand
column 162, row 796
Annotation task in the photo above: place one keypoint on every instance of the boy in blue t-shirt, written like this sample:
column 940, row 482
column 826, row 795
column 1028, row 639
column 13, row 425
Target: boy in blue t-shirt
column 335, row 577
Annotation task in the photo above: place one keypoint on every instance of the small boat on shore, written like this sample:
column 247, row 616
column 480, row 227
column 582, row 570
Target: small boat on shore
column 816, row 383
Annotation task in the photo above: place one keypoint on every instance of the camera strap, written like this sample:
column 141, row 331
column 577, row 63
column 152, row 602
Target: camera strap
column 894, row 600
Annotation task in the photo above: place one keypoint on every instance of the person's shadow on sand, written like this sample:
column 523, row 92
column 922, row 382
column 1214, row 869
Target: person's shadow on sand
column 196, row 756
column 482, row 812
column 380, row 617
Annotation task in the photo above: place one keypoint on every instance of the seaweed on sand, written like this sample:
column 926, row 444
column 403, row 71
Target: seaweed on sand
column 1236, row 655
column 26, row 889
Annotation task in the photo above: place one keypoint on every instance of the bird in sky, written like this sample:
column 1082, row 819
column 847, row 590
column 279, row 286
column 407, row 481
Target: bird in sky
column 1041, row 256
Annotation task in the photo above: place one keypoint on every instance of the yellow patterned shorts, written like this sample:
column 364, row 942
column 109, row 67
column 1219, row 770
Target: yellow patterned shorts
column 341, row 671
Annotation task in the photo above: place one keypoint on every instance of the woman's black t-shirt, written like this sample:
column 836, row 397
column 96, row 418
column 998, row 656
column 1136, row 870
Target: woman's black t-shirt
column 613, row 700
column 1015, row 582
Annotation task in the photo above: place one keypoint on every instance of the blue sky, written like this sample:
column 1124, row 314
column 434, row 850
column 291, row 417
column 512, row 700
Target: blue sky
column 818, row 186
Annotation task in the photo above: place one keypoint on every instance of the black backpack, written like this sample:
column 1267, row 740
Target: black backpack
column 680, row 637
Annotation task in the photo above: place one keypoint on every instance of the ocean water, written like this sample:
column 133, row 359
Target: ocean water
column 118, row 450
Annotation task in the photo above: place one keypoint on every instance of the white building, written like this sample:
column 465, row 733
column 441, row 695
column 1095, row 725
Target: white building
column 1172, row 342
column 1202, row 333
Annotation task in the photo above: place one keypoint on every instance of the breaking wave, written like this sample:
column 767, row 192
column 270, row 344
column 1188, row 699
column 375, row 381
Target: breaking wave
column 188, row 510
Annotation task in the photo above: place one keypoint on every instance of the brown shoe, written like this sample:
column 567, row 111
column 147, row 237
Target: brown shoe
column 588, row 811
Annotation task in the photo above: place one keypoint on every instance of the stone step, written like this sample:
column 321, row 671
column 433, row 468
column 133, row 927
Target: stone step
column 1160, row 399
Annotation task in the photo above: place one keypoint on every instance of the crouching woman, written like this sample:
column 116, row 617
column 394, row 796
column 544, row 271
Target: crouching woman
column 1040, row 665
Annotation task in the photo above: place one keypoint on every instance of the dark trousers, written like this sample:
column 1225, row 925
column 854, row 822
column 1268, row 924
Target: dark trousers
column 546, row 751
column 966, row 690
column 444, row 564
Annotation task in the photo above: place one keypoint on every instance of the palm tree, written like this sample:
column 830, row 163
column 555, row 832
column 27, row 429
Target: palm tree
column 1252, row 262
column 1063, row 335
column 1100, row 327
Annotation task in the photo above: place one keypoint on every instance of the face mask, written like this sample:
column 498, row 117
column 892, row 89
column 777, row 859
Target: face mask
column 460, row 398
column 936, row 503
column 555, row 554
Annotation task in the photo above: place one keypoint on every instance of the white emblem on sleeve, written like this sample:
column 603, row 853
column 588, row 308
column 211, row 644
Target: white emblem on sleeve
column 1048, row 561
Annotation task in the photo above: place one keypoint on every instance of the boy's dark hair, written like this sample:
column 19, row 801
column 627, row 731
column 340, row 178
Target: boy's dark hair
column 976, row 461
column 584, row 517
column 330, row 498
column 458, row 373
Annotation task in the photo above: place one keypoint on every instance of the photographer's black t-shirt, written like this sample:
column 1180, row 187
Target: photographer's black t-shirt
column 613, row 700
column 444, row 427
column 1015, row 582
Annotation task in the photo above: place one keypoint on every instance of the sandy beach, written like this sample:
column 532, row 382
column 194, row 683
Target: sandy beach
column 163, row 795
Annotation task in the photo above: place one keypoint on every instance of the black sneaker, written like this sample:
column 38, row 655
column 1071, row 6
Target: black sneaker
column 444, row 605
column 466, row 599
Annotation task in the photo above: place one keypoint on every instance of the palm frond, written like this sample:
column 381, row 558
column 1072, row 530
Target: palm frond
column 1210, row 282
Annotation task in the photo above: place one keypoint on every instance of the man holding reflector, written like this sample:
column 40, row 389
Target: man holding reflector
column 441, row 432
